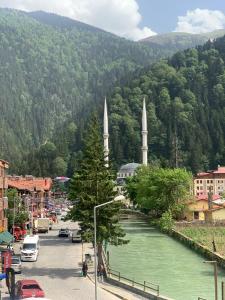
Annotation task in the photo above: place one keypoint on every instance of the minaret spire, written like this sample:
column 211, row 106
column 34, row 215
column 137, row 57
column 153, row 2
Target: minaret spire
column 144, row 136
column 106, row 135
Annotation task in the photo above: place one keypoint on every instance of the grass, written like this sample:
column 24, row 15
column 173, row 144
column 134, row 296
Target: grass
column 205, row 235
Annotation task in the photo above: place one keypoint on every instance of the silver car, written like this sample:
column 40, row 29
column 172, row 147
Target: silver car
column 16, row 264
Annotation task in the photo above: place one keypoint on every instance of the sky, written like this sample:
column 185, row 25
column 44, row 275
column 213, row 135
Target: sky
column 135, row 19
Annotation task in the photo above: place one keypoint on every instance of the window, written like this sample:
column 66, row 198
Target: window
column 201, row 187
column 196, row 215
column 197, row 181
column 200, row 181
column 211, row 181
column 207, row 181
column 197, row 187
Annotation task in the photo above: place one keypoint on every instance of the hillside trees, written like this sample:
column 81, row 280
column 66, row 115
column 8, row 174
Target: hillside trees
column 54, row 71
column 185, row 106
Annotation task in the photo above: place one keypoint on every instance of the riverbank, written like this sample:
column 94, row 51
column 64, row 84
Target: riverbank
column 156, row 257
column 208, row 236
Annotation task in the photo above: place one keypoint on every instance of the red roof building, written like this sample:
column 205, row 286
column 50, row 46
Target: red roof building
column 210, row 181
column 33, row 190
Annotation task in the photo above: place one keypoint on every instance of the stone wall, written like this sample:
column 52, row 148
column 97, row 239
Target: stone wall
column 204, row 251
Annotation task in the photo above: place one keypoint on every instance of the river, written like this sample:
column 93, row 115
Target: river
column 157, row 258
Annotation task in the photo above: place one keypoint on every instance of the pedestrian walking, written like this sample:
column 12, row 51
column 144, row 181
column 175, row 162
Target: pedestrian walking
column 84, row 268
column 100, row 272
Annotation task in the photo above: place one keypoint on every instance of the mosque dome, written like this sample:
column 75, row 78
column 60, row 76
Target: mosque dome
column 127, row 170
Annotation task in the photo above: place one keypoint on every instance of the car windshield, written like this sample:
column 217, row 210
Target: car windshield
column 31, row 287
column 15, row 260
column 29, row 246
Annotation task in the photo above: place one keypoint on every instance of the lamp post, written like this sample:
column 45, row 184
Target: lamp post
column 118, row 198
column 215, row 276
column 14, row 212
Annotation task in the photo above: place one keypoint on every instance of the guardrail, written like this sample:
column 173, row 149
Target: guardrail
column 146, row 286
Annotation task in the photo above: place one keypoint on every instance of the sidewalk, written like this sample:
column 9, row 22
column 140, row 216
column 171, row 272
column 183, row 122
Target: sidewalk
column 116, row 291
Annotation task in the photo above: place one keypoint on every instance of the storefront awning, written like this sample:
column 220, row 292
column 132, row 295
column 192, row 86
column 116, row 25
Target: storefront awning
column 6, row 237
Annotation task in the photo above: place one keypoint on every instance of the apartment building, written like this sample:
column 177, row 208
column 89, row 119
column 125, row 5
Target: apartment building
column 35, row 192
column 210, row 181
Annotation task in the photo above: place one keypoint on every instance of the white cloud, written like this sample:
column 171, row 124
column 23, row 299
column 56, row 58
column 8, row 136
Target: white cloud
column 200, row 21
column 121, row 17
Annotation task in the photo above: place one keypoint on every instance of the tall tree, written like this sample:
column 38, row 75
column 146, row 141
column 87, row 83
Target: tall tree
column 91, row 185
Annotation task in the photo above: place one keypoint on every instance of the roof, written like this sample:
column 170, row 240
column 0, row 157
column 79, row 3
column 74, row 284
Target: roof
column 4, row 163
column 128, row 168
column 220, row 170
column 216, row 207
column 204, row 197
column 32, row 184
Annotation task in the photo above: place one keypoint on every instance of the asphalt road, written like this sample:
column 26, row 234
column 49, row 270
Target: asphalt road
column 58, row 268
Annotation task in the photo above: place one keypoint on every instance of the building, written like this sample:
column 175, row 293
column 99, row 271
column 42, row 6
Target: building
column 196, row 209
column 127, row 171
column 35, row 192
column 217, row 213
column 3, row 199
column 210, row 181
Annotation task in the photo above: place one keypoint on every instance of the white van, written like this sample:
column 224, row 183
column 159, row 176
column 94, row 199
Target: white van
column 30, row 248
column 76, row 237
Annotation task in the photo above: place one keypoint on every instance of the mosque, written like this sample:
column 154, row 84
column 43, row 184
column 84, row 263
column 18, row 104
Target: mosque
column 129, row 169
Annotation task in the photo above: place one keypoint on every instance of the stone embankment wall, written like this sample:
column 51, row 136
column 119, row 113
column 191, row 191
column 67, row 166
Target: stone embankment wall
column 198, row 248
column 135, row 290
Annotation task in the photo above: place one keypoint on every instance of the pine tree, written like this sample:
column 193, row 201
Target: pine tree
column 91, row 185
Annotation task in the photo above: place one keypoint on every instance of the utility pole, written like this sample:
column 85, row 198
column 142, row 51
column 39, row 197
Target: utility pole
column 215, row 277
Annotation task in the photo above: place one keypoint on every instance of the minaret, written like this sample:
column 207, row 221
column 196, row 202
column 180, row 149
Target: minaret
column 106, row 135
column 144, row 136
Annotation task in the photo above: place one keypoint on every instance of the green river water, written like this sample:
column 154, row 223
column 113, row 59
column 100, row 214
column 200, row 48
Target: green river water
column 157, row 258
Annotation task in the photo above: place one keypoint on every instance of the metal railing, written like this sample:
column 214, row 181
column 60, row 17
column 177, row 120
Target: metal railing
column 146, row 286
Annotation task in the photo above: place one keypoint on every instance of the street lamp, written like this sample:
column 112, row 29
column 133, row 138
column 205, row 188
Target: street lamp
column 215, row 276
column 14, row 212
column 118, row 198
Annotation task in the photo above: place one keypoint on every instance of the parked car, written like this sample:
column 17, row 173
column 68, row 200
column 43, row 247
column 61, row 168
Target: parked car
column 58, row 211
column 63, row 218
column 64, row 232
column 16, row 264
column 27, row 288
column 76, row 237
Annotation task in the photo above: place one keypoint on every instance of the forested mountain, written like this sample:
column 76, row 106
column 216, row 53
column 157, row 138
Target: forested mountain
column 186, row 110
column 53, row 71
column 175, row 41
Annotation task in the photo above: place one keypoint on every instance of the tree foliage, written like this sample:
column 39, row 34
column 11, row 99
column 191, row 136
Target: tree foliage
column 161, row 190
column 185, row 111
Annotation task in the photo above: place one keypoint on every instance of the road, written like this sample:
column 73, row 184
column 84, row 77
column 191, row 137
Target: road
column 58, row 268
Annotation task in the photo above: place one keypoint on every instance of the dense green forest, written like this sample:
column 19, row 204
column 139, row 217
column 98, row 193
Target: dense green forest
column 53, row 71
column 186, row 110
